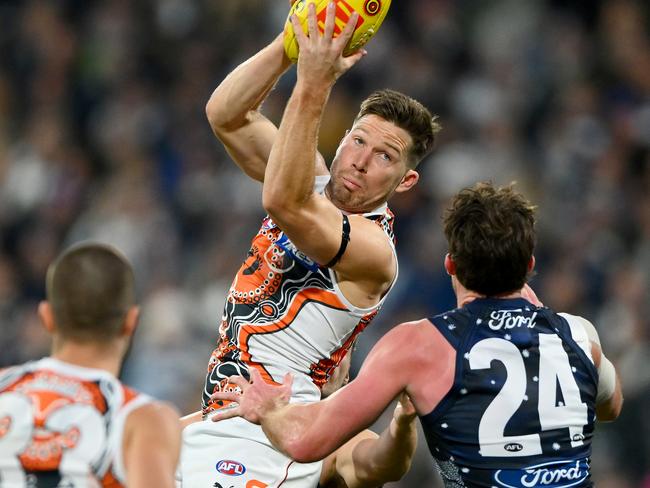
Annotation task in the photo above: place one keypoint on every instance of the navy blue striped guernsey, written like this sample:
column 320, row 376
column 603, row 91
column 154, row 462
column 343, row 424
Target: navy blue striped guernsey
column 521, row 410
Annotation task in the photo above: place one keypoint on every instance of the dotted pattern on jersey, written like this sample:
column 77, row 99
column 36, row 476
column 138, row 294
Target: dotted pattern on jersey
column 452, row 429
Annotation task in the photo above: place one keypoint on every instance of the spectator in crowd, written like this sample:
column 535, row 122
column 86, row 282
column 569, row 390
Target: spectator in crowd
column 99, row 99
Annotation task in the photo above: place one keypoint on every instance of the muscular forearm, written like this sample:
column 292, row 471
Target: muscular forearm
column 246, row 87
column 388, row 458
column 301, row 432
column 289, row 177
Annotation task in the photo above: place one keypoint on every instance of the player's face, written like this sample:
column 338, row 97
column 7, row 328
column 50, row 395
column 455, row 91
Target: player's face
column 370, row 165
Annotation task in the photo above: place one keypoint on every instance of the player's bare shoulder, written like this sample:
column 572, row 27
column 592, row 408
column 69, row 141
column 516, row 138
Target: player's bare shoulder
column 152, row 424
column 152, row 418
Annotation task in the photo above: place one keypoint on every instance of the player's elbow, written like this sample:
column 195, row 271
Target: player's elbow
column 271, row 200
column 276, row 204
column 300, row 452
column 610, row 410
column 304, row 447
column 216, row 114
column 386, row 472
column 222, row 118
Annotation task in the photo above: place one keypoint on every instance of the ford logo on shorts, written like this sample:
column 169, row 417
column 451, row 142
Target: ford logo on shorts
column 230, row 468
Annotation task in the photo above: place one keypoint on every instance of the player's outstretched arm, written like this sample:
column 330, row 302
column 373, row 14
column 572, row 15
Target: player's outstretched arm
column 311, row 432
column 289, row 178
column 310, row 220
column 368, row 460
column 151, row 446
column 234, row 109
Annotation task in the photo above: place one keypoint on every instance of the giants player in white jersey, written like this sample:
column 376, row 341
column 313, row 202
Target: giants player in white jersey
column 65, row 420
column 368, row 460
column 507, row 390
column 323, row 260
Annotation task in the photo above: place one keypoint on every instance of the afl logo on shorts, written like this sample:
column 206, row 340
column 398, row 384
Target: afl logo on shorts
column 230, row 468
column 372, row 7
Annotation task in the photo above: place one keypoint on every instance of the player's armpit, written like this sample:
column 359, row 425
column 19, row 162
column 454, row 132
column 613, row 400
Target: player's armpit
column 151, row 446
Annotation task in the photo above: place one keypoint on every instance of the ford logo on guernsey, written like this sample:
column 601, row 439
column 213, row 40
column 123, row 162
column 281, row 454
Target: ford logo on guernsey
column 230, row 468
column 562, row 474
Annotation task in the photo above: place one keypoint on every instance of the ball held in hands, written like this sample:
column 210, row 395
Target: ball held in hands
column 371, row 15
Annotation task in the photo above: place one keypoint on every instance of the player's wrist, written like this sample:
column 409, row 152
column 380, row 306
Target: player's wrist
column 315, row 78
column 312, row 93
column 277, row 45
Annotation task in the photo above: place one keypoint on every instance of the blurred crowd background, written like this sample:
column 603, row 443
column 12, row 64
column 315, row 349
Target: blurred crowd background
column 103, row 136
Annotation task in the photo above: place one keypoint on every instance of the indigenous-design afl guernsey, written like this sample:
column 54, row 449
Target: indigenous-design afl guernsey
column 521, row 410
column 286, row 313
column 61, row 426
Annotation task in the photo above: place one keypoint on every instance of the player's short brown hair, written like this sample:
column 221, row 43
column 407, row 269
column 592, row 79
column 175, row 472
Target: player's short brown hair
column 491, row 237
column 90, row 288
column 406, row 113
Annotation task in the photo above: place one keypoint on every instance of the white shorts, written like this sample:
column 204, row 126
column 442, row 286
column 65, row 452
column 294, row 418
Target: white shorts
column 236, row 454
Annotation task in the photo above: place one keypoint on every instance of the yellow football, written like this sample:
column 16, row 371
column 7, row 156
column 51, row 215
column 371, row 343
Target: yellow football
column 371, row 15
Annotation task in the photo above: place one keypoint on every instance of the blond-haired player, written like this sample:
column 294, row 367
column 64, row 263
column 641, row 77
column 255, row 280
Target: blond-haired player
column 323, row 260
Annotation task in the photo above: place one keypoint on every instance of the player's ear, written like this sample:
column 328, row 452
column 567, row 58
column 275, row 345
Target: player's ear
column 409, row 180
column 450, row 265
column 531, row 264
column 47, row 316
column 131, row 320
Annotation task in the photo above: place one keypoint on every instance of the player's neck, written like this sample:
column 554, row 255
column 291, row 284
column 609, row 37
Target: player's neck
column 89, row 355
column 465, row 296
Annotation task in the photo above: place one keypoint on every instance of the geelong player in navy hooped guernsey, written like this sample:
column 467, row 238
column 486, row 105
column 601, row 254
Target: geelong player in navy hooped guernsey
column 507, row 390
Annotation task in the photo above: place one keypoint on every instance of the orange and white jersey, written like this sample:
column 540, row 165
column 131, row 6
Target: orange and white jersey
column 286, row 313
column 61, row 426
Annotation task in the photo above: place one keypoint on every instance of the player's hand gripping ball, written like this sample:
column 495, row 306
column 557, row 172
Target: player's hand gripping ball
column 371, row 15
